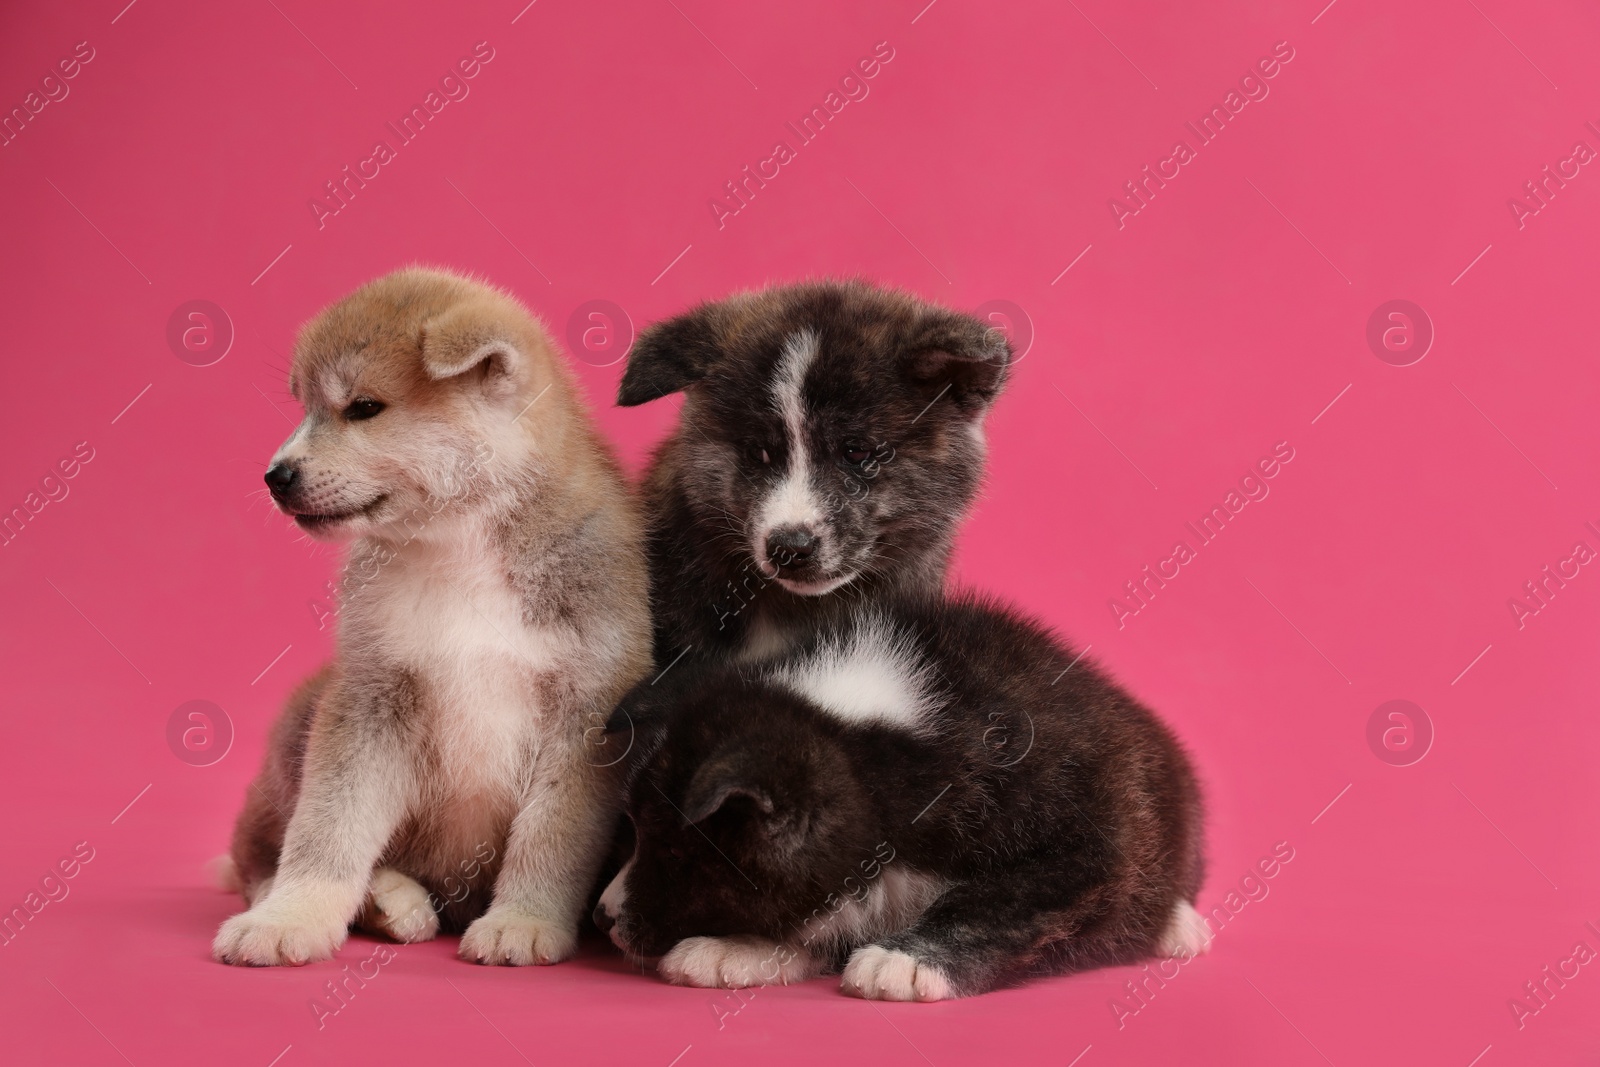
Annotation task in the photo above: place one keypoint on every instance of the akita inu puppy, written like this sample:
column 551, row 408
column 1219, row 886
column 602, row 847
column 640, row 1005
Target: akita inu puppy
column 934, row 797
column 493, row 611
column 829, row 445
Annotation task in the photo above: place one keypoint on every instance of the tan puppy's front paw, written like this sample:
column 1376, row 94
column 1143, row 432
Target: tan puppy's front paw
column 268, row 936
column 877, row 973
column 399, row 907
column 506, row 935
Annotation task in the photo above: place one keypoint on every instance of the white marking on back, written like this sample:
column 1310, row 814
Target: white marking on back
column 873, row 675
column 792, row 503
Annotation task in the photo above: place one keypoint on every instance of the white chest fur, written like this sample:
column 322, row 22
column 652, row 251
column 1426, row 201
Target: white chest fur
column 456, row 626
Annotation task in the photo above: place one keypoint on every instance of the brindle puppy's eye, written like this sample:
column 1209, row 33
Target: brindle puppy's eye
column 362, row 408
column 855, row 454
column 758, row 454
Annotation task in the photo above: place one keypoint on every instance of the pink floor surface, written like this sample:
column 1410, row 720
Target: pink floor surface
column 1234, row 301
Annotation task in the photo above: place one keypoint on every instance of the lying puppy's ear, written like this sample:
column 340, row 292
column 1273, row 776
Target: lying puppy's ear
column 467, row 339
column 726, row 784
column 633, row 732
column 669, row 357
column 717, row 784
column 962, row 357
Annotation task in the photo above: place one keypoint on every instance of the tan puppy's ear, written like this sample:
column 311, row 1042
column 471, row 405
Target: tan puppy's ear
column 467, row 339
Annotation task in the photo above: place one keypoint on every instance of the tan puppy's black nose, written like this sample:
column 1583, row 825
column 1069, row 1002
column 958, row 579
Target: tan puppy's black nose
column 280, row 479
column 790, row 546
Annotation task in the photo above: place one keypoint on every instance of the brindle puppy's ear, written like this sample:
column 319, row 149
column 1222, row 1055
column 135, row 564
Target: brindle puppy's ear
column 670, row 356
column 468, row 338
column 961, row 356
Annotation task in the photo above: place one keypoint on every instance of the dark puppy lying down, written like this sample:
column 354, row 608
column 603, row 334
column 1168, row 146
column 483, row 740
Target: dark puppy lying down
column 934, row 798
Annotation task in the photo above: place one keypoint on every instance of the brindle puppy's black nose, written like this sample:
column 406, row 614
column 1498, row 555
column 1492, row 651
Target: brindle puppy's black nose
column 602, row 920
column 789, row 546
column 280, row 479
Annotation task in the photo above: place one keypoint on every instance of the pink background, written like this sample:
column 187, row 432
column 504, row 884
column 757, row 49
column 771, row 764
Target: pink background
column 1221, row 319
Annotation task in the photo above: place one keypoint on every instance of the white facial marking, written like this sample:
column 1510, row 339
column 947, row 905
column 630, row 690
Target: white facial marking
column 873, row 675
column 615, row 897
column 793, row 502
column 828, row 585
column 336, row 389
column 288, row 450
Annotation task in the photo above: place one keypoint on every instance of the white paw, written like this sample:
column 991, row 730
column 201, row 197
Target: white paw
column 1186, row 934
column 399, row 907
column 506, row 935
column 734, row 963
column 277, row 935
column 877, row 973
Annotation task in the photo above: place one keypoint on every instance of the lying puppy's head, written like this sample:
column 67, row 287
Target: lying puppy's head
column 835, row 425
column 412, row 388
column 746, row 817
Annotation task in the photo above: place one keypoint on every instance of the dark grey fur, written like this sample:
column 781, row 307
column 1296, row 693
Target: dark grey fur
column 899, row 383
column 1060, row 817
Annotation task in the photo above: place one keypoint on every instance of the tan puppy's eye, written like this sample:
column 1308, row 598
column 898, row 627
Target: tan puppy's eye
column 362, row 408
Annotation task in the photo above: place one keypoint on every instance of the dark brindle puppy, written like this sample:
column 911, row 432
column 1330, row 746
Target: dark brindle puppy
column 936, row 797
column 830, row 441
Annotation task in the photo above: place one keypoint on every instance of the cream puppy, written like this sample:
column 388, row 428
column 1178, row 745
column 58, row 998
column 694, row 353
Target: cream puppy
column 493, row 611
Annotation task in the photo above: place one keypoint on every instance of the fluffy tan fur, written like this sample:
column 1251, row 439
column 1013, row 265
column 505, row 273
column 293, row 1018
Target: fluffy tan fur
column 438, row 772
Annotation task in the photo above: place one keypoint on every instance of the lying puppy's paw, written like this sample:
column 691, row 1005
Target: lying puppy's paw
column 398, row 907
column 277, row 936
column 878, row 973
column 734, row 963
column 1186, row 934
column 506, row 935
